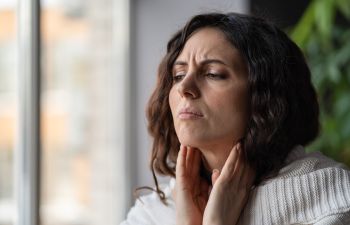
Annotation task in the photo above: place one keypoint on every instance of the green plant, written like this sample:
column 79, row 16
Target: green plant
column 326, row 45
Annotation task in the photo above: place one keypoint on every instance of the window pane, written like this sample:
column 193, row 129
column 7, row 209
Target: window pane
column 82, row 141
column 8, row 108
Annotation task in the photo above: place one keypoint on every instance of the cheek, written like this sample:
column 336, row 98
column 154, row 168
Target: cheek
column 173, row 101
column 230, row 112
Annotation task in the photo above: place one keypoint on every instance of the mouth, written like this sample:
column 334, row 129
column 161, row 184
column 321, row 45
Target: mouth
column 189, row 113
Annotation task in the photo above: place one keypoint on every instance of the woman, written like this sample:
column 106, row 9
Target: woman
column 231, row 112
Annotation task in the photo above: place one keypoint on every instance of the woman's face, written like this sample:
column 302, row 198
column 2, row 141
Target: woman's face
column 209, row 97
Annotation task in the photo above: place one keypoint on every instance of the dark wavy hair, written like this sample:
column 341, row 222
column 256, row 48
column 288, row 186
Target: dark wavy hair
column 283, row 102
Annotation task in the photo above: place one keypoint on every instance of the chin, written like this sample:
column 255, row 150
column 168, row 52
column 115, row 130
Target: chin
column 189, row 141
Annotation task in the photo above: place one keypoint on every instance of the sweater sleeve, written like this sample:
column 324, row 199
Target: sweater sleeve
column 336, row 219
column 150, row 210
column 137, row 215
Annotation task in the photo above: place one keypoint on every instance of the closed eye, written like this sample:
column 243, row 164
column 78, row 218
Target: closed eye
column 178, row 77
column 215, row 76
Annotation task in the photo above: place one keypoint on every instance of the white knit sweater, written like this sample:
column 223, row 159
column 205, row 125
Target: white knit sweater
column 310, row 189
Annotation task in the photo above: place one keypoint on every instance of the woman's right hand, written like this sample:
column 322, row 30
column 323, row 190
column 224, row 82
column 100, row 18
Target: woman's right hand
column 191, row 191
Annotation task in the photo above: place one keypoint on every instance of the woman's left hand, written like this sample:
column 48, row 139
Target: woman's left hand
column 230, row 190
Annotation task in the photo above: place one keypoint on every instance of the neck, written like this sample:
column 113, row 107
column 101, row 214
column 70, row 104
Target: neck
column 214, row 156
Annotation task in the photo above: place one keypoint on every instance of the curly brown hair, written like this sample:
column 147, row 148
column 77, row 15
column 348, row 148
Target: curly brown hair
column 283, row 102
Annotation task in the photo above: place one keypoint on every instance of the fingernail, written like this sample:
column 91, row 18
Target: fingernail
column 239, row 149
column 216, row 171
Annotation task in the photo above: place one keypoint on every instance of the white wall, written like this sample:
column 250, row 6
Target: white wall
column 153, row 23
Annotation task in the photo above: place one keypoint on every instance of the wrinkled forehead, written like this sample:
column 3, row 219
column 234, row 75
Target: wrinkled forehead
column 210, row 44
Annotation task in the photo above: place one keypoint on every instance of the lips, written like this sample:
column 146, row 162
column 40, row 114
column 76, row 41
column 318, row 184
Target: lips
column 189, row 113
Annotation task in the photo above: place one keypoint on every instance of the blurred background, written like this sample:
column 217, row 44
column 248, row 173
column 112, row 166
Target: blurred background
column 98, row 63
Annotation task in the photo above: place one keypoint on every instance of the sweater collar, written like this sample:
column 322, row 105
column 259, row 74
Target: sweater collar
column 296, row 153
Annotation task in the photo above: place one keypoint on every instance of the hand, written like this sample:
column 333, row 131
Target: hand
column 191, row 191
column 230, row 190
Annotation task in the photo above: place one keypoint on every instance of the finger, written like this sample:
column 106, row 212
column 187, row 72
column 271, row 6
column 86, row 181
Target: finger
column 180, row 162
column 204, row 188
column 204, row 193
column 214, row 176
column 209, row 190
column 196, row 162
column 240, row 164
column 189, row 159
column 230, row 164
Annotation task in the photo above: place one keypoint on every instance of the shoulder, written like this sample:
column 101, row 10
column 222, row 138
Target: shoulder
column 335, row 219
column 149, row 209
column 310, row 188
column 299, row 163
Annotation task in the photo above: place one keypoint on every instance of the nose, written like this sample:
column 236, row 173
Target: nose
column 188, row 87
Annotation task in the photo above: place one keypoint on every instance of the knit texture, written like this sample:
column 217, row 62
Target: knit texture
column 309, row 189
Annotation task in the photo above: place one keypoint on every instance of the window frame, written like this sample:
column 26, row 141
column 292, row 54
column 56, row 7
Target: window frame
column 27, row 150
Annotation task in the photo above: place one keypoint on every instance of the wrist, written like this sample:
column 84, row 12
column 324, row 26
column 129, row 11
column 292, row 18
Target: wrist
column 188, row 222
column 213, row 223
column 220, row 221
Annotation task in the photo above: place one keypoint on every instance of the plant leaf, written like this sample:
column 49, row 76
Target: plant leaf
column 344, row 7
column 303, row 28
column 324, row 15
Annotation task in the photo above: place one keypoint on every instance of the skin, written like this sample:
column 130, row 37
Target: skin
column 199, row 203
column 209, row 105
column 217, row 89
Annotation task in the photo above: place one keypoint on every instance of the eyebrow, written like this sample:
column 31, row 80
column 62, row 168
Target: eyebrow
column 204, row 62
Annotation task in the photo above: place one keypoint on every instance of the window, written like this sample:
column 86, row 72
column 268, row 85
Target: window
column 83, row 111
column 8, row 108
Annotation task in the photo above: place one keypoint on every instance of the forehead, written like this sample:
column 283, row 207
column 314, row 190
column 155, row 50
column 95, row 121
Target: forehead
column 208, row 43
